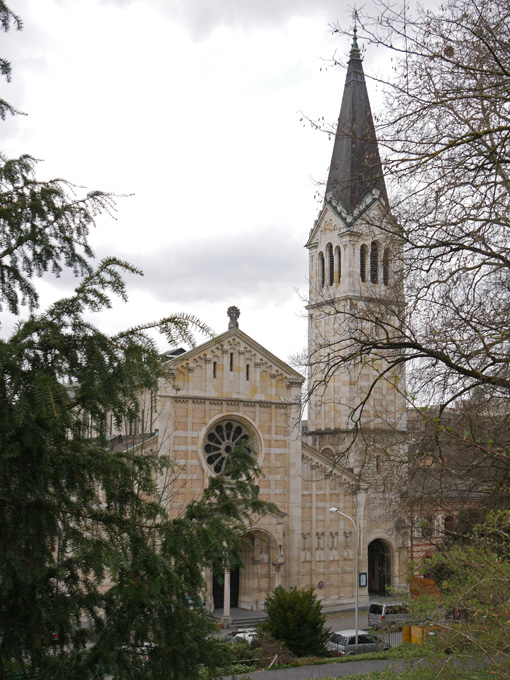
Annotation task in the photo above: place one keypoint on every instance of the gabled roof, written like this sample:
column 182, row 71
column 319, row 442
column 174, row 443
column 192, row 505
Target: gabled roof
column 236, row 333
column 355, row 169
column 330, row 467
column 346, row 222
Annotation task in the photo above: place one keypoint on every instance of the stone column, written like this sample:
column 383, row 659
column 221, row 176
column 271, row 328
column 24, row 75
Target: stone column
column 226, row 620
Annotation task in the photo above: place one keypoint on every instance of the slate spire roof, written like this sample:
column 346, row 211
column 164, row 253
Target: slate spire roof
column 355, row 168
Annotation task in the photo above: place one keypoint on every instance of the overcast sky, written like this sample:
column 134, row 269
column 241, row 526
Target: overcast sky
column 193, row 108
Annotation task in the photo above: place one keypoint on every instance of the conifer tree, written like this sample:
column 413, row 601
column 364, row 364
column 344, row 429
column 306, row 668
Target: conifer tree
column 295, row 617
column 94, row 574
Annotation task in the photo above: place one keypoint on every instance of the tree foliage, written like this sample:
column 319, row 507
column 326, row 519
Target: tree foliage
column 295, row 617
column 92, row 567
column 470, row 618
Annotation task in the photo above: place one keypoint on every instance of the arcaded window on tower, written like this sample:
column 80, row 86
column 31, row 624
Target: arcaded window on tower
column 386, row 267
column 363, row 263
column 322, row 276
column 331, row 264
column 374, row 261
column 338, row 254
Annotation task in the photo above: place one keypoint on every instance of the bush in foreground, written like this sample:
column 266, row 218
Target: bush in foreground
column 295, row 618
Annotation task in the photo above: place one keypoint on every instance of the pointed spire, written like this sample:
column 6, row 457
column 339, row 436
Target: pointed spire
column 355, row 168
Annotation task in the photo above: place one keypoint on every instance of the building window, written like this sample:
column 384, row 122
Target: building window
column 438, row 526
column 220, row 442
column 449, row 524
column 214, row 369
column 231, row 361
column 331, row 264
column 427, row 528
column 363, row 263
column 338, row 252
column 322, row 276
column 386, row 267
column 374, row 261
column 247, row 371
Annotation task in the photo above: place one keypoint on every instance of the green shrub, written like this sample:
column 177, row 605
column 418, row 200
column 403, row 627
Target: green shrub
column 295, row 617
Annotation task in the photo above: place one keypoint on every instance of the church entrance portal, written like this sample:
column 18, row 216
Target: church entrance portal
column 251, row 583
column 379, row 568
column 219, row 588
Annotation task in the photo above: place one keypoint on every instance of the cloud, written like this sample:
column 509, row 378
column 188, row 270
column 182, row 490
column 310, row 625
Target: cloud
column 202, row 17
column 266, row 265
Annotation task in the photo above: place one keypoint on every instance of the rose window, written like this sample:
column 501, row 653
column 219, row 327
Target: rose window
column 220, row 442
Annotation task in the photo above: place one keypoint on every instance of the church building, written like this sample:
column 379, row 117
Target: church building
column 231, row 387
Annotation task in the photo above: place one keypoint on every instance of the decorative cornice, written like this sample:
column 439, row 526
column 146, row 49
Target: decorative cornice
column 242, row 402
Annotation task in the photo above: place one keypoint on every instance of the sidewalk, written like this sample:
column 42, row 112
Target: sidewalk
column 330, row 670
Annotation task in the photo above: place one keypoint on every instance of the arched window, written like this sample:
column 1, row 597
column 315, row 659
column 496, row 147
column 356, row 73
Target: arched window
column 449, row 524
column 438, row 526
column 386, row 267
column 338, row 253
column 427, row 527
column 363, row 263
column 331, row 264
column 322, row 278
column 374, row 261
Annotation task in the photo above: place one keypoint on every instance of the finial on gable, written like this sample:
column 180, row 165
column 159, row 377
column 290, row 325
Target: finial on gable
column 233, row 314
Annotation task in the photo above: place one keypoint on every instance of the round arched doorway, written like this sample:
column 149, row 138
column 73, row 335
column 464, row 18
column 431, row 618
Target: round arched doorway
column 379, row 567
column 256, row 577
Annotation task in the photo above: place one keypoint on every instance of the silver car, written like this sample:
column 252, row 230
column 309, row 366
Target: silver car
column 381, row 615
column 344, row 642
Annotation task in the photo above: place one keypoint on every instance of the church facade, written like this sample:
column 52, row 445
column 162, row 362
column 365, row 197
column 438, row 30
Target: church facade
column 231, row 387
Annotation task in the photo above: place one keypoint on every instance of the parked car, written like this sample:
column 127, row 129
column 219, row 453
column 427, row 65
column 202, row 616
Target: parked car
column 344, row 642
column 142, row 651
column 245, row 636
column 385, row 614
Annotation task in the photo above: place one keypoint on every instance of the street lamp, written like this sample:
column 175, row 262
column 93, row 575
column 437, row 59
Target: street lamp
column 356, row 575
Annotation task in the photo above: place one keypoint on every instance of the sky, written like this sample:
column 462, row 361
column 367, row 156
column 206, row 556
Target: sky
column 194, row 113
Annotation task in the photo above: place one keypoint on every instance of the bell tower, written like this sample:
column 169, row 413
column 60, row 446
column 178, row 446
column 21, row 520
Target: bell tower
column 353, row 280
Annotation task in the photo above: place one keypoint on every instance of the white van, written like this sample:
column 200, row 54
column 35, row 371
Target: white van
column 382, row 614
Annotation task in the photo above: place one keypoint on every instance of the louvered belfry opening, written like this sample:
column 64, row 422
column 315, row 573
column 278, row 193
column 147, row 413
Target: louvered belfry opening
column 363, row 263
column 374, row 262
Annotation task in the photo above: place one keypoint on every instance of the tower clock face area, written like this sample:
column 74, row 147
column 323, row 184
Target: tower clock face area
column 221, row 441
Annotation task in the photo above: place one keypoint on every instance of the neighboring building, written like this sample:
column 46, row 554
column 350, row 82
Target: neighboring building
column 457, row 471
column 232, row 387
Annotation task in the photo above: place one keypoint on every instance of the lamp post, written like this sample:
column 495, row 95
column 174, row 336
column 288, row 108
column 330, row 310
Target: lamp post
column 356, row 575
